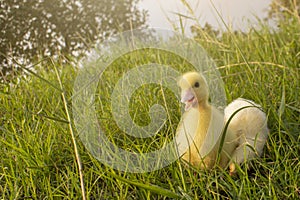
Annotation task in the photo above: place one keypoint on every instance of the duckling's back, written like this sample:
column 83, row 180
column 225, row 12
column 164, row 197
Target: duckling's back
column 249, row 126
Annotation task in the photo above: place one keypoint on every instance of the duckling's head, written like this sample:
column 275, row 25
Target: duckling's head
column 194, row 90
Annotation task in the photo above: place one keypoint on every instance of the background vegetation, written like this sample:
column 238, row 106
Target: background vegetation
column 31, row 30
column 37, row 155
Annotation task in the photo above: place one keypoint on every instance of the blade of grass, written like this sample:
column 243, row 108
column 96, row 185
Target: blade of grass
column 150, row 187
column 77, row 156
column 282, row 102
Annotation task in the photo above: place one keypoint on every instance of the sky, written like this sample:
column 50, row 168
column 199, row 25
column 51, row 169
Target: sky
column 237, row 13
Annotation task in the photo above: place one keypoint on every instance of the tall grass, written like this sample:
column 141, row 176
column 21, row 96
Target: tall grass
column 38, row 161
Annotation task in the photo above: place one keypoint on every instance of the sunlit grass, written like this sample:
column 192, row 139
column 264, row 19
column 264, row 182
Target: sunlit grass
column 37, row 156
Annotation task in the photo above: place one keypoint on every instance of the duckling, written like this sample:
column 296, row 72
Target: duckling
column 200, row 128
column 199, row 132
column 249, row 126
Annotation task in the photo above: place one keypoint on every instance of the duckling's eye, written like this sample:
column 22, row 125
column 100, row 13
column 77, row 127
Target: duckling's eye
column 197, row 84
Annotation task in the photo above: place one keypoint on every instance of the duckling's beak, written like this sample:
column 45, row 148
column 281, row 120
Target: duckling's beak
column 188, row 98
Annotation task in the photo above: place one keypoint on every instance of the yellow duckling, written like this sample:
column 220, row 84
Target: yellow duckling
column 199, row 132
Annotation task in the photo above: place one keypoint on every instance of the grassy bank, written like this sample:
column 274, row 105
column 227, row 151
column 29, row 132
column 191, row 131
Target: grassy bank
column 38, row 161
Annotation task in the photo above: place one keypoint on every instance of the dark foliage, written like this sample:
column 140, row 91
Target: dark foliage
column 37, row 28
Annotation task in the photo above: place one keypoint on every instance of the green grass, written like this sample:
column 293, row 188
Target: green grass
column 37, row 156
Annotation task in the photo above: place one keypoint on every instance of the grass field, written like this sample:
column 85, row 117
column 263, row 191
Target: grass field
column 38, row 159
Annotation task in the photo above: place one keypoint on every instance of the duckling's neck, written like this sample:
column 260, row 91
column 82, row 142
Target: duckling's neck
column 203, row 106
column 204, row 109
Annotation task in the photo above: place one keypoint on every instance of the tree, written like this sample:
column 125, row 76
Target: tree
column 54, row 27
column 278, row 8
